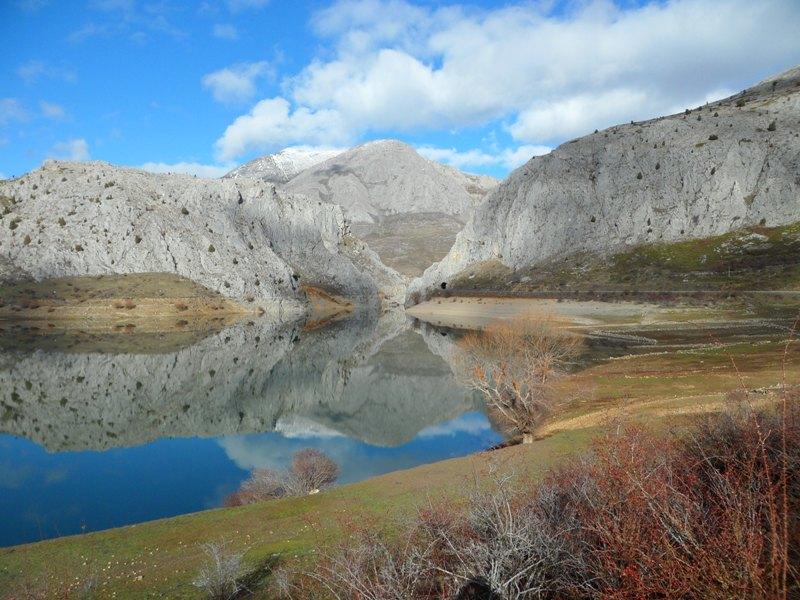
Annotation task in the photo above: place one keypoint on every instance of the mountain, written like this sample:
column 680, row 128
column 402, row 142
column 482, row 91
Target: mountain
column 406, row 207
column 283, row 166
column 388, row 177
column 239, row 237
column 704, row 172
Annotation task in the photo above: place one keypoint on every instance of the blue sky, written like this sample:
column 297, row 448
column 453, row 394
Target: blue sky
column 202, row 86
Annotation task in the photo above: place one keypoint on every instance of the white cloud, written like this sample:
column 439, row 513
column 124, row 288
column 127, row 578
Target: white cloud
column 399, row 67
column 509, row 158
column 52, row 110
column 471, row 423
column 271, row 124
column 75, row 149
column 188, row 168
column 236, row 83
column 226, row 31
column 580, row 114
column 12, row 109
column 3, row 176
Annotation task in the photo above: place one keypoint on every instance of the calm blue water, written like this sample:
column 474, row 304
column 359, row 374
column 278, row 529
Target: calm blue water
column 91, row 440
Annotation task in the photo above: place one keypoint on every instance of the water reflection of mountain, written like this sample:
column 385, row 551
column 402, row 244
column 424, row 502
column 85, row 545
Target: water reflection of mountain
column 370, row 379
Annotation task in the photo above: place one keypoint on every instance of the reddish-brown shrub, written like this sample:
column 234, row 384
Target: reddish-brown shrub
column 311, row 471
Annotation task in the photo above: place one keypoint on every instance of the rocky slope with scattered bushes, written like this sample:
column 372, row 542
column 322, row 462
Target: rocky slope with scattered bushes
column 700, row 173
column 239, row 237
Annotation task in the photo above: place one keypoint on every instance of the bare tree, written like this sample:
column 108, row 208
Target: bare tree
column 311, row 471
column 219, row 577
column 517, row 365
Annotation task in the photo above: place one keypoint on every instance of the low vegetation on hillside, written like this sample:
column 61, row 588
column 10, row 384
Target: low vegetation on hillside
column 710, row 513
column 745, row 259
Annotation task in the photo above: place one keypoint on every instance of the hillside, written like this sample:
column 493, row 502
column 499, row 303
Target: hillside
column 283, row 166
column 689, row 176
column 240, row 238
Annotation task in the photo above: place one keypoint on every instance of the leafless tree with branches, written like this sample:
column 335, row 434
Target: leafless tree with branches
column 518, row 365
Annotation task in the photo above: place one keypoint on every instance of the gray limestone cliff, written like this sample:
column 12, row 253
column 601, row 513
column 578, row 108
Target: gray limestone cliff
column 240, row 237
column 704, row 172
column 388, row 177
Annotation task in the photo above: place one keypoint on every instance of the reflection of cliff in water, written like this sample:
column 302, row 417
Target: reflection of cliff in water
column 370, row 379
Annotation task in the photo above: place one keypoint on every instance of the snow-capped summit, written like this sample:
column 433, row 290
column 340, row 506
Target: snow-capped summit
column 283, row 166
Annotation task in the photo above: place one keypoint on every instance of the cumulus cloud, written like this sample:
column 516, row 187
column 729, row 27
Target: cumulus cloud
column 236, row 83
column 508, row 158
column 188, row 168
column 52, row 110
column 390, row 65
column 226, row 31
column 271, row 123
column 75, row 149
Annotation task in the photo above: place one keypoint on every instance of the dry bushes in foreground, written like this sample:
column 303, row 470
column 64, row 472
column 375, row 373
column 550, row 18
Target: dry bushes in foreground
column 712, row 513
column 311, row 471
column 519, row 365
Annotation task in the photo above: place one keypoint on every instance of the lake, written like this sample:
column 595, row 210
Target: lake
column 100, row 439
column 118, row 429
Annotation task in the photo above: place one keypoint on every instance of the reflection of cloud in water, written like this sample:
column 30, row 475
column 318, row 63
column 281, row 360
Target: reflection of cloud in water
column 358, row 460
column 471, row 423
column 294, row 426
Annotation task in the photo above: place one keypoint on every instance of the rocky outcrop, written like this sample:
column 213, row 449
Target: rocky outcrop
column 283, row 166
column 239, row 237
column 388, row 177
column 712, row 169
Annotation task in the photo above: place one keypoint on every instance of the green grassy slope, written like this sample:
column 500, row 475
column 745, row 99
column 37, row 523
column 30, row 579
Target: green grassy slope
column 754, row 258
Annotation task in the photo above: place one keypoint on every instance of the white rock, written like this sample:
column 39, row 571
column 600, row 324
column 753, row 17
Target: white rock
column 388, row 177
column 685, row 176
column 240, row 237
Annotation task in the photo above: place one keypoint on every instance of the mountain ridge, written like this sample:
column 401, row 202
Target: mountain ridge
column 713, row 169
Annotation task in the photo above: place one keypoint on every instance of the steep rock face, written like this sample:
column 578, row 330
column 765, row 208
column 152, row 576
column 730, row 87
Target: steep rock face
column 240, row 237
column 283, row 166
column 716, row 168
column 388, row 177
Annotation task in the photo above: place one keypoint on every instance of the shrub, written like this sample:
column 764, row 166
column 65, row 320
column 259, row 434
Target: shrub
column 772, row 126
column 713, row 137
column 711, row 513
column 311, row 471
column 518, row 365
column 219, row 577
